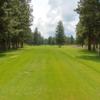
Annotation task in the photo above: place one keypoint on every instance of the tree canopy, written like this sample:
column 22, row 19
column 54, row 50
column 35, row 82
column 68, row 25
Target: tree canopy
column 60, row 35
column 89, row 25
column 15, row 21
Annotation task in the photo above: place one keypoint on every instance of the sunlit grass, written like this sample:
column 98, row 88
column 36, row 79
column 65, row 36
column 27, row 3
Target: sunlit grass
column 49, row 73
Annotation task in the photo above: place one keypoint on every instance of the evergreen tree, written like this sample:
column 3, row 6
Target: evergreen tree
column 51, row 40
column 81, row 33
column 87, row 10
column 15, row 21
column 37, row 38
column 72, row 39
column 60, row 36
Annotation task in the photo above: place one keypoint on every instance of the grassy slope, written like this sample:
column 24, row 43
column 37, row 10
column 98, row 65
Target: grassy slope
column 49, row 73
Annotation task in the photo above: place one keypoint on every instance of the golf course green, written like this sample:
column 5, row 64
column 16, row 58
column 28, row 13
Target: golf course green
column 49, row 73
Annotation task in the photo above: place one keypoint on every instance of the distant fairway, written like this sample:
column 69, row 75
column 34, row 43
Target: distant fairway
column 49, row 73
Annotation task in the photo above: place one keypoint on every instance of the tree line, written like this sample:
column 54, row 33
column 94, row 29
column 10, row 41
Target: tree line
column 58, row 39
column 88, row 28
column 15, row 21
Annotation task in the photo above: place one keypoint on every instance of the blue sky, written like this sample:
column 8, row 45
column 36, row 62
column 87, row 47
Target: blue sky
column 48, row 12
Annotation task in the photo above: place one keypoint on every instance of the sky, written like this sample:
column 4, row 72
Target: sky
column 47, row 13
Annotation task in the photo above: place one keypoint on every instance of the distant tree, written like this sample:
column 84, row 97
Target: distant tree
column 51, row 40
column 45, row 42
column 69, row 40
column 37, row 38
column 60, row 36
column 40, row 39
column 72, row 40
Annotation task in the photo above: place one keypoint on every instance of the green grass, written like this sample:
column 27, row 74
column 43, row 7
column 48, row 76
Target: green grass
column 49, row 73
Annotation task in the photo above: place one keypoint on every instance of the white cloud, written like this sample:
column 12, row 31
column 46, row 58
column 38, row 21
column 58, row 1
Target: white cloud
column 48, row 12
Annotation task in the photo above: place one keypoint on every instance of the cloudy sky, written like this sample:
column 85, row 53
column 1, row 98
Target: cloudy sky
column 48, row 12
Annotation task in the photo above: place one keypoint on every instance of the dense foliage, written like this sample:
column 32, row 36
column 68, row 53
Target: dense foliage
column 37, row 37
column 88, row 28
column 15, row 20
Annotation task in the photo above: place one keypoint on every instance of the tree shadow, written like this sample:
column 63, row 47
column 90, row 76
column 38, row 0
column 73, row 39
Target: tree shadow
column 2, row 54
column 90, row 56
column 85, row 51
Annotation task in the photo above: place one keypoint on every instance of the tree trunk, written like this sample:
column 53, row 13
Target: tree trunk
column 82, row 45
column 99, row 50
column 94, row 46
column 22, row 44
column 94, row 43
column 89, row 43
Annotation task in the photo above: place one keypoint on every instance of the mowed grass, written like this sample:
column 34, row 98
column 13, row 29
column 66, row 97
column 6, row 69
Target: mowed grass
column 49, row 73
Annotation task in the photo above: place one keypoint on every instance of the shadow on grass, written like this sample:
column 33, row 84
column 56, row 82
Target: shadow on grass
column 4, row 53
column 90, row 56
column 85, row 51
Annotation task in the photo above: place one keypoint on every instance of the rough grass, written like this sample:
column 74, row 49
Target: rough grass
column 49, row 73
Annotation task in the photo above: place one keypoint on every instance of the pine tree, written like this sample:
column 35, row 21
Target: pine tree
column 15, row 23
column 72, row 40
column 60, row 36
column 37, row 38
column 88, row 11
